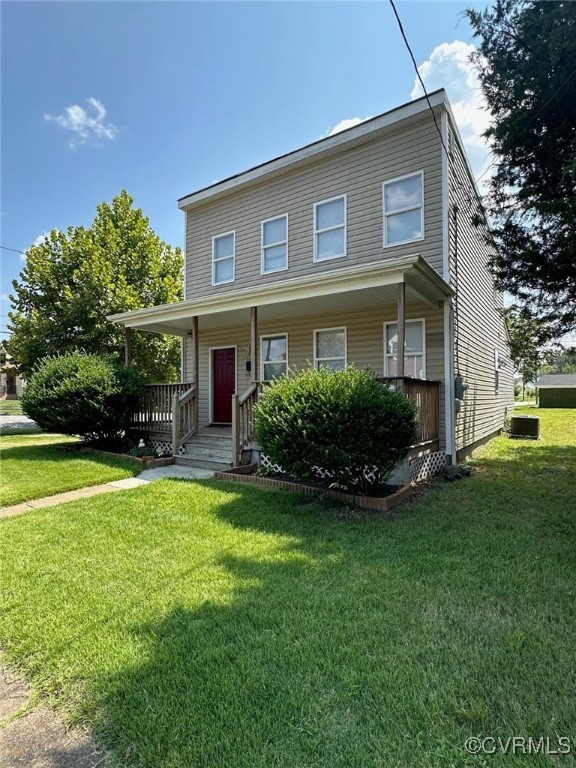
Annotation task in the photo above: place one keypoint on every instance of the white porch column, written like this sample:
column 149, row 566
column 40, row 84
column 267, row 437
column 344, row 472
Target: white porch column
column 194, row 372
column 401, row 329
column 195, row 366
column 254, row 342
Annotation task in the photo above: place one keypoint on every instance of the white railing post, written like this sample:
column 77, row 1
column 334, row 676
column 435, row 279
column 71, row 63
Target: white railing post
column 235, row 430
column 175, row 424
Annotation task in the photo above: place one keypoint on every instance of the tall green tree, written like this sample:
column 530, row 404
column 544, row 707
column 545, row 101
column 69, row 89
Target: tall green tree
column 526, row 61
column 73, row 279
column 527, row 334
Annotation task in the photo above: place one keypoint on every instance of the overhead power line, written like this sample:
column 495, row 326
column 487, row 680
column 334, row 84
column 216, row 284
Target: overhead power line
column 16, row 250
column 419, row 76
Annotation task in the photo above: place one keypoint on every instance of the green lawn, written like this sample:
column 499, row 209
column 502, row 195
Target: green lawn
column 225, row 626
column 37, row 465
column 10, row 408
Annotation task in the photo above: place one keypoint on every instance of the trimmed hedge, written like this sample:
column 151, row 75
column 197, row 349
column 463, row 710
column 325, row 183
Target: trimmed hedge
column 344, row 422
column 80, row 394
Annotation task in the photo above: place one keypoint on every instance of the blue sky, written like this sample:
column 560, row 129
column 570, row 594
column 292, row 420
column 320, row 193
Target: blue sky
column 166, row 97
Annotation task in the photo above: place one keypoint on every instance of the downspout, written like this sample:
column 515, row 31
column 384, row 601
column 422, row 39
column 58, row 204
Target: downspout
column 449, row 395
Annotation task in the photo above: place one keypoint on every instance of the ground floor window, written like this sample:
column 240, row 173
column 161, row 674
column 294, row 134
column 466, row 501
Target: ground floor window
column 330, row 348
column 274, row 356
column 414, row 349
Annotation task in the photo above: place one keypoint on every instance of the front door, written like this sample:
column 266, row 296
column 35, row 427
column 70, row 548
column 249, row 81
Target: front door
column 223, row 383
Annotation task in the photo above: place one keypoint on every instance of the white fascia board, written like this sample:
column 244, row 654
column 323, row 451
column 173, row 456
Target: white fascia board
column 411, row 109
column 336, row 281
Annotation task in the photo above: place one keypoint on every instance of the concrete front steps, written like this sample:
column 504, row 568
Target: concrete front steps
column 207, row 450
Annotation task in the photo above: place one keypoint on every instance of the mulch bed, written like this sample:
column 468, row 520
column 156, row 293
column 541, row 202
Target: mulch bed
column 394, row 494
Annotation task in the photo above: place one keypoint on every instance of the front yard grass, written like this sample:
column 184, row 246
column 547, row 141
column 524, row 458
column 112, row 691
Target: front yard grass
column 32, row 466
column 225, row 626
column 10, row 408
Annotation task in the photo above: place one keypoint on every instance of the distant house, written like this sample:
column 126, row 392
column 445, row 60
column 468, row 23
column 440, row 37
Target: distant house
column 557, row 390
column 11, row 383
column 359, row 248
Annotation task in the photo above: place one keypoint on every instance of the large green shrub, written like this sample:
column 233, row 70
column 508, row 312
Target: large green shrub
column 344, row 422
column 79, row 394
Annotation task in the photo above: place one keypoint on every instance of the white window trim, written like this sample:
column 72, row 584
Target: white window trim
column 385, row 215
column 408, row 320
column 267, row 336
column 324, row 359
column 232, row 256
column 263, row 270
column 330, row 229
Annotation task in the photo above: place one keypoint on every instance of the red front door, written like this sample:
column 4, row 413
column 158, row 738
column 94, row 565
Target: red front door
column 223, row 383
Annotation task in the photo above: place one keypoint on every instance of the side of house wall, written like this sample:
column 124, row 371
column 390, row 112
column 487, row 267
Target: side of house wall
column 481, row 350
column 358, row 172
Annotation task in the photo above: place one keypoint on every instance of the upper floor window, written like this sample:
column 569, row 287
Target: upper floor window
column 330, row 348
column 403, row 209
column 274, row 356
column 223, row 250
column 414, row 349
column 275, row 244
column 330, row 229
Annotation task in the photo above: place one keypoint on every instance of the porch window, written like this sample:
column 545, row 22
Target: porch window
column 274, row 356
column 403, row 209
column 275, row 244
column 330, row 229
column 223, row 255
column 330, row 348
column 414, row 349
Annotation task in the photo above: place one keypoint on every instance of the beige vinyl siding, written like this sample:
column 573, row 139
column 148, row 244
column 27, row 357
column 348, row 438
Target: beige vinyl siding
column 365, row 345
column 356, row 172
column 479, row 326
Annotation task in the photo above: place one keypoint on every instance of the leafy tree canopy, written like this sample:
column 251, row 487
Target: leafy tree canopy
column 73, row 279
column 527, row 66
column 527, row 335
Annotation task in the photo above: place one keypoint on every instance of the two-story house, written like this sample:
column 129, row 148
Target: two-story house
column 345, row 251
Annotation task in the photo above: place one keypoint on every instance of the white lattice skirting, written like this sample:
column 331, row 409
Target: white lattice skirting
column 426, row 466
column 420, row 467
column 165, row 446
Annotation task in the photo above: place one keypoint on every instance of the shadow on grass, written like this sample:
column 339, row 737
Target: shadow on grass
column 361, row 642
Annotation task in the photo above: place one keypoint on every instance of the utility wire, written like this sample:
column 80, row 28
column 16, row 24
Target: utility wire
column 16, row 250
column 418, row 75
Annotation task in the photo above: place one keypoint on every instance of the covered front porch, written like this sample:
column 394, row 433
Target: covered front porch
column 234, row 342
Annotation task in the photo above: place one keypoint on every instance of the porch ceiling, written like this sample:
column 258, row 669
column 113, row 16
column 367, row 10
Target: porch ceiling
column 340, row 290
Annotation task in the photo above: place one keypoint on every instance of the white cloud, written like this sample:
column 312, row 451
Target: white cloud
column 4, row 297
column 348, row 122
column 86, row 124
column 449, row 67
column 40, row 239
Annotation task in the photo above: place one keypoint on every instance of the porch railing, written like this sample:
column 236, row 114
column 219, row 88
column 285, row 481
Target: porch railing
column 155, row 413
column 184, row 418
column 242, row 420
column 426, row 395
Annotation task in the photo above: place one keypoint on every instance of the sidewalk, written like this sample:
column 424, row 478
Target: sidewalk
column 148, row 476
column 38, row 737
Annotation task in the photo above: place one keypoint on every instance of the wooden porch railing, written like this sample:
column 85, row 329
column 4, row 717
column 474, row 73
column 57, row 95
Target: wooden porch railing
column 155, row 414
column 426, row 395
column 242, row 420
column 184, row 418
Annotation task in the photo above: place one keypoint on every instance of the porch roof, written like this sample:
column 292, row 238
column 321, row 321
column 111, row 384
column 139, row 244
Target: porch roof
column 339, row 289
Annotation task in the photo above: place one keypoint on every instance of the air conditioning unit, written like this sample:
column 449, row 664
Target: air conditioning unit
column 525, row 426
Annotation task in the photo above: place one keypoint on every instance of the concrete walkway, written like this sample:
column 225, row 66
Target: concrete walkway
column 148, row 476
column 16, row 422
